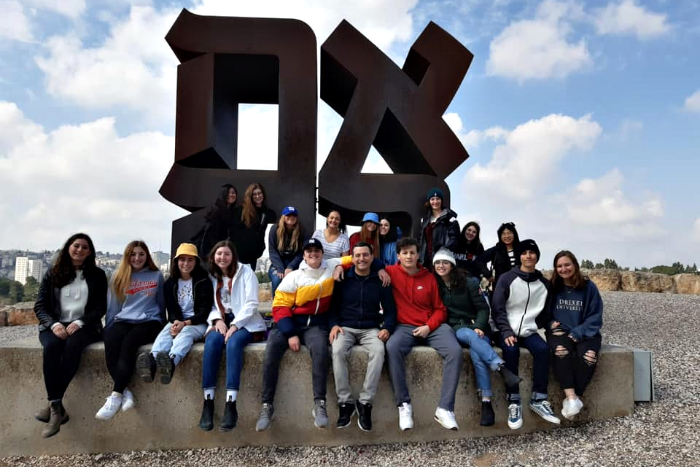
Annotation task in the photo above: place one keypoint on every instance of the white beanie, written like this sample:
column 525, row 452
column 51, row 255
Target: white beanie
column 445, row 255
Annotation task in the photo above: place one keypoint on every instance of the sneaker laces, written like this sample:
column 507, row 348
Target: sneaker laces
column 547, row 407
column 265, row 411
column 321, row 408
column 404, row 411
column 513, row 410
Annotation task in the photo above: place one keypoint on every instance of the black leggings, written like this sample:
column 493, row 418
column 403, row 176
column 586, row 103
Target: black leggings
column 574, row 363
column 122, row 342
column 62, row 358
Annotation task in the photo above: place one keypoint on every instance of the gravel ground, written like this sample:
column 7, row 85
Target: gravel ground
column 662, row 433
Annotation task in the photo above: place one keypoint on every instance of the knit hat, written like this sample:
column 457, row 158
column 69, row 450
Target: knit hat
column 436, row 192
column 290, row 211
column 526, row 245
column 371, row 217
column 313, row 243
column 445, row 255
column 186, row 249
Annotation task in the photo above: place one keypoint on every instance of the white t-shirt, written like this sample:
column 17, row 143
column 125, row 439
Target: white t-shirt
column 334, row 249
column 74, row 297
column 185, row 298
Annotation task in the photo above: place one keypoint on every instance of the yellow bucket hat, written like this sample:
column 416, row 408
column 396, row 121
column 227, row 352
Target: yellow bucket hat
column 186, row 249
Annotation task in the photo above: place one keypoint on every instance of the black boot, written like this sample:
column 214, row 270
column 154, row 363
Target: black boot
column 58, row 417
column 511, row 379
column 487, row 416
column 165, row 366
column 230, row 417
column 146, row 367
column 206, row 422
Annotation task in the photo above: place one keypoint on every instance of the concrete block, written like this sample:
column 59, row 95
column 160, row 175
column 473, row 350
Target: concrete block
column 166, row 417
column 21, row 317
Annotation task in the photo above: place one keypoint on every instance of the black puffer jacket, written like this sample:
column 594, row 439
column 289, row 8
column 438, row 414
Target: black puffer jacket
column 500, row 261
column 445, row 233
column 48, row 303
column 203, row 294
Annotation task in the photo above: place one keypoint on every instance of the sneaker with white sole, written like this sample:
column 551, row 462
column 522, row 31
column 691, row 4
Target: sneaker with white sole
column 571, row 407
column 320, row 414
column 544, row 409
column 515, row 415
column 267, row 414
column 405, row 416
column 446, row 418
column 111, row 407
column 128, row 401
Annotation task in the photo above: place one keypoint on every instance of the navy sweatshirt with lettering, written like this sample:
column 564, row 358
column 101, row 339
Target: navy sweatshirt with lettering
column 580, row 311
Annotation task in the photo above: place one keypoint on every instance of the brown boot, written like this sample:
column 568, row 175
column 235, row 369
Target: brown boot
column 58, row 418
column 44, row 414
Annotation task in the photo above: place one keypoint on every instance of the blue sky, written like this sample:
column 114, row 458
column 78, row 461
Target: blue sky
column 581, row 118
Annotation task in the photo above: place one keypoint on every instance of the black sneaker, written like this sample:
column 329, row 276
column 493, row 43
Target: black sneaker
column 146, row 367
column 166, row 367
column 230, row 417
column 511, row 379
column 488, row 418
column 364, row 416
column 345, row 413
column 206, row 422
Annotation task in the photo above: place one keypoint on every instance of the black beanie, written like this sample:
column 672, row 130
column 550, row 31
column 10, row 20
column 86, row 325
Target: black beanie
column 528, row 244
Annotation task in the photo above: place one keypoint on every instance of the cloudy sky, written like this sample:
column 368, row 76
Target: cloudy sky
column 582, row 118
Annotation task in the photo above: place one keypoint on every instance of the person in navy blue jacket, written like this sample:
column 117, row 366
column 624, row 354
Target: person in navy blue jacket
column 286, row 243
column 519, row 309
column 355, row 317
column 574, row 332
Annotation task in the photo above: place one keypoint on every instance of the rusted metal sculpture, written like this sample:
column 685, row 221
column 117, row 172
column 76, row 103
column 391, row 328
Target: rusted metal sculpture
column 228, row 61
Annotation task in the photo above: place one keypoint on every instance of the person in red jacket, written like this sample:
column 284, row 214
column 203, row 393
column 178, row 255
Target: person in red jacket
column 421, row 318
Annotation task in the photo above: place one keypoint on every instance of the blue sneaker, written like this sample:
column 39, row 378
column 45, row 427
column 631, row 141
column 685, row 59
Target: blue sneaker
column 515, row 415
column 544, row 410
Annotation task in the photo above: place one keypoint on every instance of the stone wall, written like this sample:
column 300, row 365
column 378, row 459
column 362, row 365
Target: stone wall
column 612, row 280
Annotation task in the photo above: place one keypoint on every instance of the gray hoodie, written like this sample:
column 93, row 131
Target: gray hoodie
column 144, row 300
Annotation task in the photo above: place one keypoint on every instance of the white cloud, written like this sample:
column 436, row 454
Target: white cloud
column 601, row 202
column 692, row 103
column 14, row 24
column 70, row 8
column 528, row 156
column 82, row 177
column 628, row 18
column 539, row 48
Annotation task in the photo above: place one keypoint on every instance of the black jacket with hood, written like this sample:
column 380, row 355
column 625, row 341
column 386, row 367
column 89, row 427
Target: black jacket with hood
column 445, row 234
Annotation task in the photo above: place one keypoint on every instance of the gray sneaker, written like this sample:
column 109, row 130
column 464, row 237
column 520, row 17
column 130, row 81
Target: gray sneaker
column 544, row 410
column 267, row 413
column 320, row 414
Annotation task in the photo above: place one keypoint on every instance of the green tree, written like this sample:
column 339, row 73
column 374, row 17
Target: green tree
column 599, row 266
column 587, row 264
column 16, row 292
column 610, row 264
column 262, row 277
column 31, row 289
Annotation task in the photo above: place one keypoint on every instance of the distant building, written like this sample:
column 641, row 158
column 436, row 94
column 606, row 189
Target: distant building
column 160, row 258
column 25, row 267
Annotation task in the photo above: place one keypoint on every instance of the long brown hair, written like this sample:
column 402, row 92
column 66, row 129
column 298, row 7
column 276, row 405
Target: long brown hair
column 63, row 271
column 370, row 237
column 214, row 269
column 249, row 215
column 578, row 279
column 122, row 278
column 295, row 243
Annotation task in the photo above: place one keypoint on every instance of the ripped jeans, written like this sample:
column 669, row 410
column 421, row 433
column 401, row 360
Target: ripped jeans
column 573, row 363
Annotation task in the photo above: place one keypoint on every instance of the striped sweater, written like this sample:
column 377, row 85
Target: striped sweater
column 304, row 296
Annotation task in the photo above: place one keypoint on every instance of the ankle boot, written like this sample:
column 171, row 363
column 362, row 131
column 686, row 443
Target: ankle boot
column 57, row 418
column 511, row 379
column 488, row 418
column 230, row 417
column 206, row 422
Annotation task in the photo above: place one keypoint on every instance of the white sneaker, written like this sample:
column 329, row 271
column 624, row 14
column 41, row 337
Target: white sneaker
column 111, row 407
column 128, row 401
column 446, row 419
column 405, row 416
column 571, row 407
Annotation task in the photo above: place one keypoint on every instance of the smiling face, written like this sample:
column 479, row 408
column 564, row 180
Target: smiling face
column 528, row 260
column 186, row 264
column 471, row 233
column 565, row 268
column 443, row 268
column 436, row 203
column 137, row 258
column 408, row 257
column 313, row 257
column 384, row 227
column 223, row 257
column 258, row 197
column 78, row 251
column 370, row 226
column 231, row 197
column 507, row 237
column 333, row 220
column 362, row 260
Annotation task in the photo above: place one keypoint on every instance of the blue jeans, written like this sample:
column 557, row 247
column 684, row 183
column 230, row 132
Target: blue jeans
column 181, row 344
column 540, row 364
column 483, row 357
column 275, row 281
column 214, row 349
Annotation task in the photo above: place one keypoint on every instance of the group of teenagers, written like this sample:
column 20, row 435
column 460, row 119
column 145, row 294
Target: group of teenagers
column 374, row 289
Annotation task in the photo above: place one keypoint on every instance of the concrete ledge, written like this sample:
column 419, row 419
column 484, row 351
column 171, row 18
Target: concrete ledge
column 166, row 417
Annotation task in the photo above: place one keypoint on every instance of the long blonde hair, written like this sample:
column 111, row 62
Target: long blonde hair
column 297, row 234
column 122, row 278
column 249, row 216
